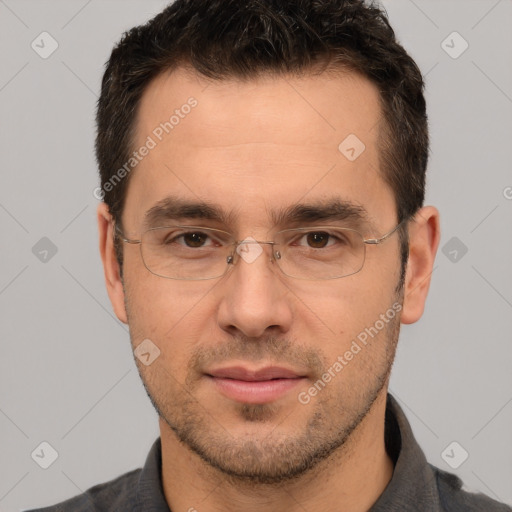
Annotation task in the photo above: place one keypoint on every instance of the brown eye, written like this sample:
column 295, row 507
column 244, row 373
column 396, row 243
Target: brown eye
column 318, row 240
column 194, row 239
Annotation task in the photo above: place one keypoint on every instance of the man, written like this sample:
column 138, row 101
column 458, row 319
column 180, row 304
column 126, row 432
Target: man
column 263, row 235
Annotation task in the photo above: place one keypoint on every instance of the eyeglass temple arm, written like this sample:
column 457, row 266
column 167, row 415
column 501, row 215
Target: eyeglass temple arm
column 375, row 241
column 119, row 233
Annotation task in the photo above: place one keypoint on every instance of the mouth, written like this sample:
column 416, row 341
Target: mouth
column 255, row 386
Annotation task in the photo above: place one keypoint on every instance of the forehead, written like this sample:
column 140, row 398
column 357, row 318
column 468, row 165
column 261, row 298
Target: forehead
column 332, row 102
column 248, row 145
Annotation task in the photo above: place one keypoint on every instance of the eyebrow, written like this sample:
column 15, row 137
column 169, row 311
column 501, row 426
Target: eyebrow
column 330, row 210
column 173, row 208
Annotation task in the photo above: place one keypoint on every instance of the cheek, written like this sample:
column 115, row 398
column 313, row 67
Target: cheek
column 170, row 313
column 347, row 306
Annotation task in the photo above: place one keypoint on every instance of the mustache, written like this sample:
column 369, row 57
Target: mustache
column 271, row 349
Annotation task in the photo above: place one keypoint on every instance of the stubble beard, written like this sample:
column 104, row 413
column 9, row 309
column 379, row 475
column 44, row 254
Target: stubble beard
column 277, row 457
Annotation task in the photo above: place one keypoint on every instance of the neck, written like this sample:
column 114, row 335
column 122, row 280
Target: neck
column 351, row 479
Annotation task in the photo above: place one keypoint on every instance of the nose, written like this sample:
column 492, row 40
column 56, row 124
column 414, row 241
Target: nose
column 254, row 299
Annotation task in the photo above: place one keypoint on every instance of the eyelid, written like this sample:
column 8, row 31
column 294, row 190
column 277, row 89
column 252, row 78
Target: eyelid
column 191, row 227
column 326, row 226
column 314, row 226
column 213, row 234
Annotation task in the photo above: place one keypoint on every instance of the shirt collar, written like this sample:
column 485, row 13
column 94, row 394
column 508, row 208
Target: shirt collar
column 150, row 489
column 413, row 485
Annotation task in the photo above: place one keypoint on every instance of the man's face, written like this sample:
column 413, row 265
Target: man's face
column 252, row 149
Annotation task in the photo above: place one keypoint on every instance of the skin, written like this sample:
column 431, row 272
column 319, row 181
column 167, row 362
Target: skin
column 251, row 147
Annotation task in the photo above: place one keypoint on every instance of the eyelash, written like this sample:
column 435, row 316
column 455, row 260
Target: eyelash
column 299, row 237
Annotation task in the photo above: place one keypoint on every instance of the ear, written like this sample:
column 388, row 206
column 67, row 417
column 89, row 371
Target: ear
column 111, row 268
column 424, row 235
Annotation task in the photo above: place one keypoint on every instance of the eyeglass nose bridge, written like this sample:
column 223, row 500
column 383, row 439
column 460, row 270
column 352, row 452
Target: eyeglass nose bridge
column 238, row 243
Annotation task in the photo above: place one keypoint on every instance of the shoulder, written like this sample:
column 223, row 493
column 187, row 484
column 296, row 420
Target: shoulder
column 454, row 499
column 116, row 494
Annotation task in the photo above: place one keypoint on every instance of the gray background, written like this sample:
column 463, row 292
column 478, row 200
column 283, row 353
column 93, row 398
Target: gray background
column 67, row 374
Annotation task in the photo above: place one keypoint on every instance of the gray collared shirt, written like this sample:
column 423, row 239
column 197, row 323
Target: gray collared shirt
column 415, row 486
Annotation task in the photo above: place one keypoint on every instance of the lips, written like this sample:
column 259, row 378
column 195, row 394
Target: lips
column 252, row 386
column 248, row 375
